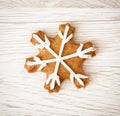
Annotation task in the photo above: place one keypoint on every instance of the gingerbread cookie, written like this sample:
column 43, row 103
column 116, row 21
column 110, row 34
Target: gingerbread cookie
column 60, row 58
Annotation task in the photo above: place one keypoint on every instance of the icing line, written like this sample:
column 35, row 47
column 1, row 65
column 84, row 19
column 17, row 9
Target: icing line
column 59, row 59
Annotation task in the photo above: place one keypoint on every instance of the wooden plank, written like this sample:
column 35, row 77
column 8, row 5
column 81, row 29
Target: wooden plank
column 60, row 4
column 22, row 93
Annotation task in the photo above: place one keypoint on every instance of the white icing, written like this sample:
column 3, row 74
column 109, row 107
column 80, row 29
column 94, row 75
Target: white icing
column 74, row 75
column 82, row 53
column 54, row 77
column 64, row 37
column 37, row 59
column 54, row 74
column 30, row 63
column 44, row 44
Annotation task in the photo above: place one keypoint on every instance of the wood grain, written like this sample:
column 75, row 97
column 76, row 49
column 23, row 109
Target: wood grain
column 60, row 4
column 22, row 94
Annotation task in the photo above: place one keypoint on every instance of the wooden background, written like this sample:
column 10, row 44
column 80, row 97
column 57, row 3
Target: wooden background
column 22, row 94
column 60, row 3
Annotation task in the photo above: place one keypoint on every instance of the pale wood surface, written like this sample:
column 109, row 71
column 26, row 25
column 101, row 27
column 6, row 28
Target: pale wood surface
column 60, row 3
column 22, row 93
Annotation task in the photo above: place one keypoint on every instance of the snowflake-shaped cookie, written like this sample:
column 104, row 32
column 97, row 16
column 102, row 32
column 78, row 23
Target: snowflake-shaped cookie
column 60, row 58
